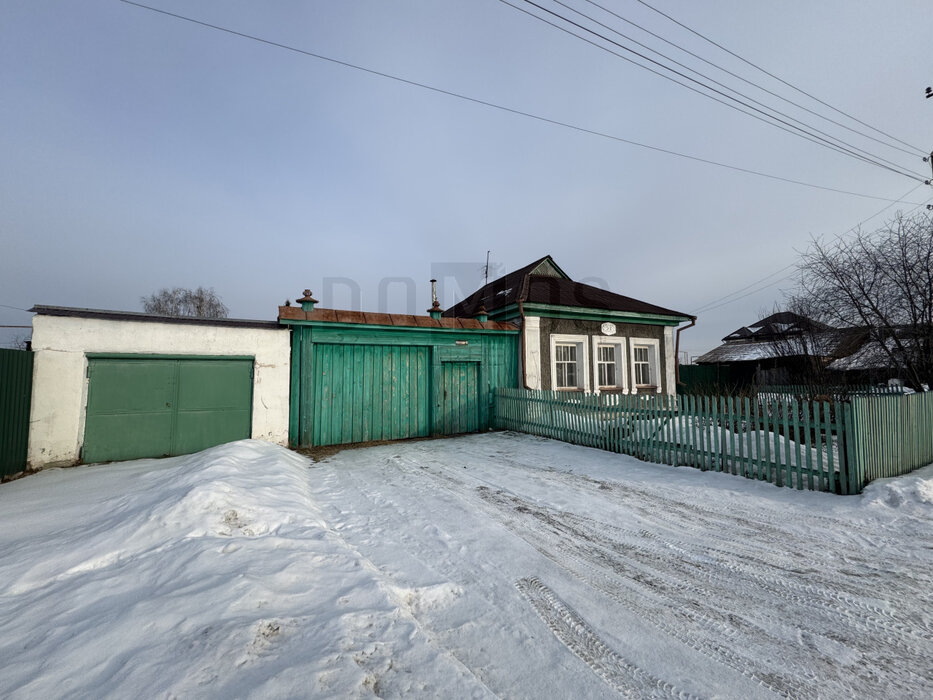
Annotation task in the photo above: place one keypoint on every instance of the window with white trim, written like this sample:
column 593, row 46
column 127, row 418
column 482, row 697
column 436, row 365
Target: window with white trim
column 565, row 365
column 641, row 360
column 569, row 363
column 645, row 363
column 609, row 362
column 606, row 365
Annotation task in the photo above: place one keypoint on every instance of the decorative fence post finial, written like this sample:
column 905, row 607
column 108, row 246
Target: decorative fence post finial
column 307, row 301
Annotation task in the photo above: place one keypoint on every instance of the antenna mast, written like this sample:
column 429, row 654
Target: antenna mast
column 486, row 272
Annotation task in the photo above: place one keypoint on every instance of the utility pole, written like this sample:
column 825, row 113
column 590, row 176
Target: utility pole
column 929, row 159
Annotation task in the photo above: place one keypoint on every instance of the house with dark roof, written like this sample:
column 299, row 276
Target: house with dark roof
column 577, row 337
column 783, row 348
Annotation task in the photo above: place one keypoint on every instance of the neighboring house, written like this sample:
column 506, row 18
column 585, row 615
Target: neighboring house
column 783, row 348
column 576, row 337
column 872, row 363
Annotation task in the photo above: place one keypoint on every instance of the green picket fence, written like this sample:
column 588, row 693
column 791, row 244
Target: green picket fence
column 832, row 392
column 816, row 445
column 891, row 435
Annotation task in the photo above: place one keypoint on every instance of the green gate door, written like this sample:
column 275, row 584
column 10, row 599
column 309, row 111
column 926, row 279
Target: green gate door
column 153, row 407
column 460, row 406
column 366, row 392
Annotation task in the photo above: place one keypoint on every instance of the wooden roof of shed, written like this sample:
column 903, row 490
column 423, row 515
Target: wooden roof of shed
column 295, row 313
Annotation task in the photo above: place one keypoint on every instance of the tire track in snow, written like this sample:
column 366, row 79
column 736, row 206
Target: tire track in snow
column 689, row 627
column 574, row 632
column 842, row 631
column 710, row 626
column 835, row 608
column 754, row 521
column 817, row 595
column 671, row 621
column 755, row 533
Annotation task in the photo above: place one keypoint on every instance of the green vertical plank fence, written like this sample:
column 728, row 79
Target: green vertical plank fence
column 814, row 445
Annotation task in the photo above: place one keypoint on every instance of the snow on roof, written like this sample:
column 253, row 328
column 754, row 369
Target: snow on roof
column 870, row 356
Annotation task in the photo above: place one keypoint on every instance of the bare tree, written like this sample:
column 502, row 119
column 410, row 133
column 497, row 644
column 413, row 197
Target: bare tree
column 200, row 302
column 21, row 342
column 882, row 282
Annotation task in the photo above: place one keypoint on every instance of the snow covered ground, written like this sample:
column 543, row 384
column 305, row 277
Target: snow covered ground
column 496, row 565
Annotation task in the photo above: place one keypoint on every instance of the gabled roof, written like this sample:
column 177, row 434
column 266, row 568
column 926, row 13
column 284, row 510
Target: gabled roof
column 778, row 325
column 504, row 291
column 565, row 292
column 543, row 282
column 825, row 342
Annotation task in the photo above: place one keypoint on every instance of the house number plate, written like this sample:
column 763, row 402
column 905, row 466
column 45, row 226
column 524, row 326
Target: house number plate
column 608, row 328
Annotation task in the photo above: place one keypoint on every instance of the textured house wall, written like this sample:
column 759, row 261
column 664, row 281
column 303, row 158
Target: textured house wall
column 566, row 326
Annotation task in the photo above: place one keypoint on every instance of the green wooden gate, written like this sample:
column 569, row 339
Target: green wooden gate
column 362, row 393
column 460, row 411
column 15, row 401
column 145, row 406
column 361, row 382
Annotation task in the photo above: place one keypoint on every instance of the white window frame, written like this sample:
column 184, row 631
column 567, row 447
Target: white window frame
column 654, row 362
column 583, row 368
column 618, row 344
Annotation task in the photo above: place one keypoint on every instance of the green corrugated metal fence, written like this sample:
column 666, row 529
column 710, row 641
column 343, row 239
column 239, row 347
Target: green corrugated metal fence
column 15, row 403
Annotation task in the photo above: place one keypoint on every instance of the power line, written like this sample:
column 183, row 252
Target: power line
column 912, row 152
column 779, row 79
column 797, row 123
column 15, row 308
column 775, row 121
column 493, row 105
column 726, row 300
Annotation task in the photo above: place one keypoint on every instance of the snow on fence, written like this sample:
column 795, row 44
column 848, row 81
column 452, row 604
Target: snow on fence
column 816, row 445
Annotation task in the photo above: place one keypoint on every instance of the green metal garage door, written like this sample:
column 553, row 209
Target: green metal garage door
column 153, row 407
column 367, row 392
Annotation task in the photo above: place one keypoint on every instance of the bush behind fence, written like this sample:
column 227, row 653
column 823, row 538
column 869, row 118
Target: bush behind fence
column 836, row 446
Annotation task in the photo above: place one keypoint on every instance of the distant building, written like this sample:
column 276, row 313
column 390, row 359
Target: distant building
column 784, row 348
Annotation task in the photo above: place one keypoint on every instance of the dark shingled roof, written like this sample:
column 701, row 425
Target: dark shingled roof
column 499, row 293
column 778, row 325
column 522, row 285
column 766, row 344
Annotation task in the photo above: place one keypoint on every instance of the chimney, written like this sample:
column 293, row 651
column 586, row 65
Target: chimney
column 435, row 310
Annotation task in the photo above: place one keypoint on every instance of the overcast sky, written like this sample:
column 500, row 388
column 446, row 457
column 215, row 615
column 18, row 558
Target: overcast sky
column 140, row 150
